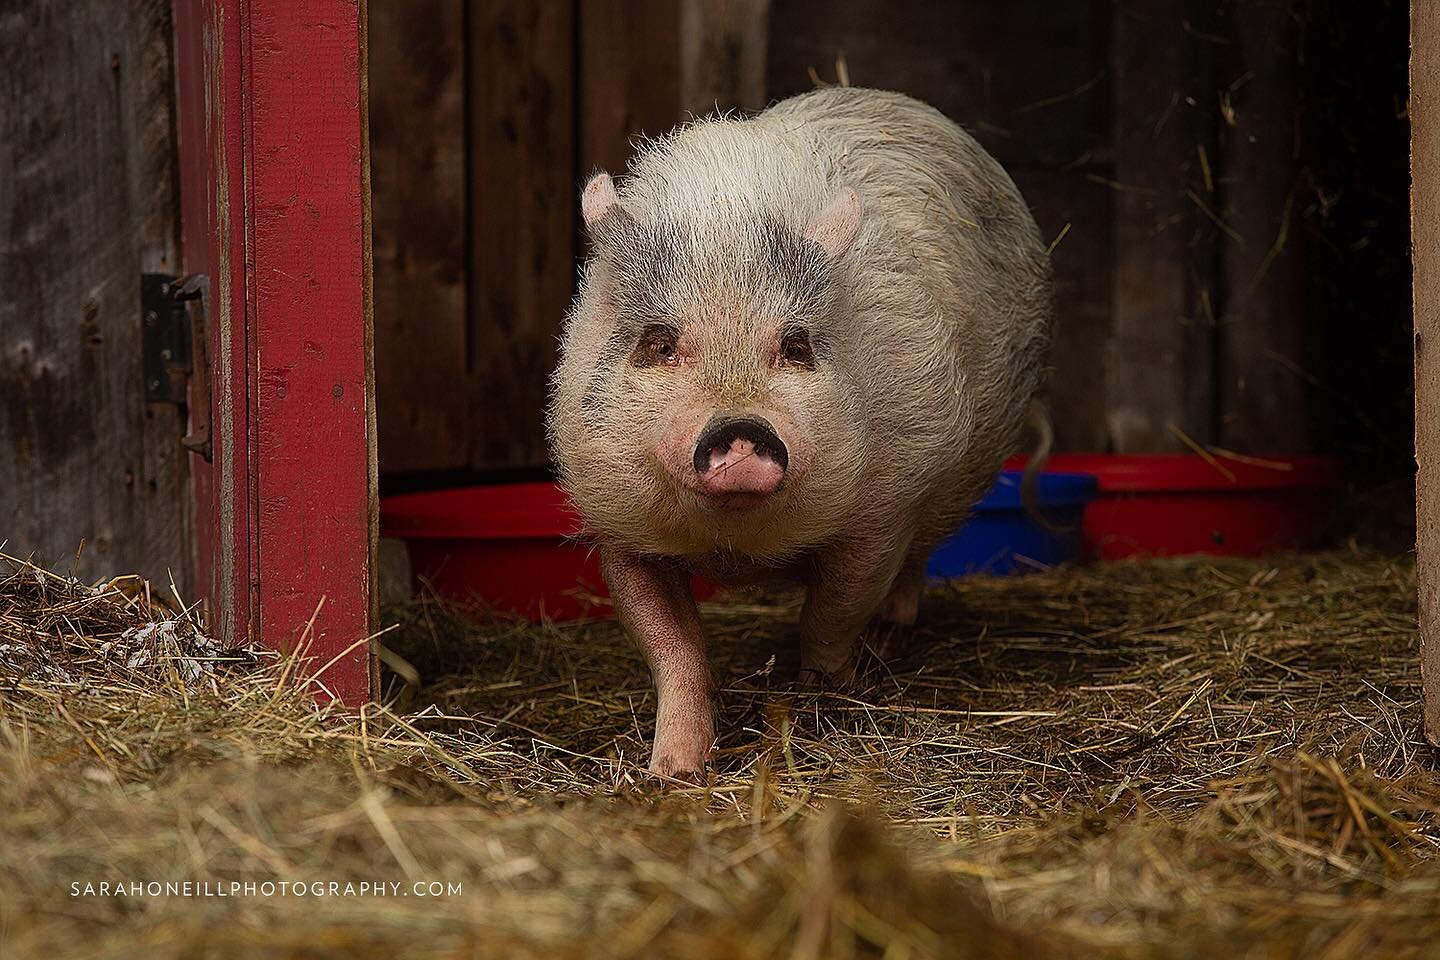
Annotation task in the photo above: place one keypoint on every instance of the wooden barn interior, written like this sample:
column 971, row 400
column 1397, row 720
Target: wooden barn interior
column 1224, row 185
column 1132, row 756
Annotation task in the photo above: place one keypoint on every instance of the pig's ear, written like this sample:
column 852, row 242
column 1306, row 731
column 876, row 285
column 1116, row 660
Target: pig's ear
column 598, row 201
column 835, row 229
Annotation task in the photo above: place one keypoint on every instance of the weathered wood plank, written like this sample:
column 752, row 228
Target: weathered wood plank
column 1073, row 213
column 1160, row 358
column 86, row 204
column 1265, row 333
column 371, row 666
column 307, row 313
column 520, row 103
column 211, row 134
column 149, row 87
column 1425, row 245
column 629, row 77
column 417, row 124
column 1027, row 77
column 722, row 54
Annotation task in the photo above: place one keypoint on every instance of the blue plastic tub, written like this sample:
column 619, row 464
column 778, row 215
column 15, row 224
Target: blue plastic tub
column 1002, row 538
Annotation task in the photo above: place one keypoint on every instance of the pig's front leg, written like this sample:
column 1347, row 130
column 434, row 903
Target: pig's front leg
column 848, row 587
column 889, row 631
column 653, row 601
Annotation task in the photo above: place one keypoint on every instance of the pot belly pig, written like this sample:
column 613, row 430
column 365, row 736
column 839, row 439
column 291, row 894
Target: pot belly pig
column 803, row 344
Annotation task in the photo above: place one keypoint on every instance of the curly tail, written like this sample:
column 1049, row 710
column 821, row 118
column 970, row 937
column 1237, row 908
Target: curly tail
column 1037, row 419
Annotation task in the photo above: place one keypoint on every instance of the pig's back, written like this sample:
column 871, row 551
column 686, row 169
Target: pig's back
column 929, row 190
column 949, row 255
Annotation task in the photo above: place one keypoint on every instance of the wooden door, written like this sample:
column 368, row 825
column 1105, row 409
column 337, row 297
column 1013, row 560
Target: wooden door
column 274, row 193
column 87, row 464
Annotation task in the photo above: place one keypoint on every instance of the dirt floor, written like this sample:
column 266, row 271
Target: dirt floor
column 1164, row 759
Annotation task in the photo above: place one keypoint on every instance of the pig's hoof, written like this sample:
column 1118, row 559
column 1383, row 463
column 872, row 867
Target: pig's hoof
column 678, row 776
column 814, row 678
column 682, row 758
column 685, row 769
column 888, row 640
column 811, row 680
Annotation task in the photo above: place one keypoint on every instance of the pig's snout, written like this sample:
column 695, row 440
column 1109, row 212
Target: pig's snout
column 740, row 455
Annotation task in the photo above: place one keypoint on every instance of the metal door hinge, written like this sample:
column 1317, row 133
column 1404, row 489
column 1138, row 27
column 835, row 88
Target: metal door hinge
column 164, row 340
column 174, row 349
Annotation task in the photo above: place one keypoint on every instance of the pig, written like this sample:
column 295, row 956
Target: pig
column 802, row 345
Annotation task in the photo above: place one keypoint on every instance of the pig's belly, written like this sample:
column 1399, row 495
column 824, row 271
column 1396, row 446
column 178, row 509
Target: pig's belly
column 731, row 571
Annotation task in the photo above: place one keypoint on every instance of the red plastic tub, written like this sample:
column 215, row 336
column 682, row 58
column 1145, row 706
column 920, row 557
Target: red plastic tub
column 511, row 547
column 1171, row 504
column 507, row 547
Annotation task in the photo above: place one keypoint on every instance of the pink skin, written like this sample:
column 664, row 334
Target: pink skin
column 738, row 478
column 652, row 596
column 653, row 600
column 655, row 605
column 741, row 470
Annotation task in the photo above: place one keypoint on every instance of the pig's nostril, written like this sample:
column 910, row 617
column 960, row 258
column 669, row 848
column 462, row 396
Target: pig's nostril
column 722, row 431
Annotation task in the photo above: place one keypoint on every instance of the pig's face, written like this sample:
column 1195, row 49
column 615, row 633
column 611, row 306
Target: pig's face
column 717, row 409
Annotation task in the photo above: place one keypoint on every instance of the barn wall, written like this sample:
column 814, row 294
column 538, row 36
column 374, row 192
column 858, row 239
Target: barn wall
column 87, row 202
column 1186, row 277
column 1165, row 148
column 1030, row 81
column 485, row 118
column 1159, row 367
column 1161, row 140
column 418, row 224
column 1269, row 348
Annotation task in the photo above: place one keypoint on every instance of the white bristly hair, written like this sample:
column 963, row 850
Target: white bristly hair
column 930, row 328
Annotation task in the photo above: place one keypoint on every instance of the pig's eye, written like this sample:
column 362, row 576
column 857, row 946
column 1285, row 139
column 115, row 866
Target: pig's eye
column 795, row 350
column 657, row 347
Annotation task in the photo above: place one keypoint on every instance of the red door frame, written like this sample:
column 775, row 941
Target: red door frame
column 275, row 211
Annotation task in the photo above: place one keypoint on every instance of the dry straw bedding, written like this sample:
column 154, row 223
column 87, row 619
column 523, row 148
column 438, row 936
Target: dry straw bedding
column 1163, row 759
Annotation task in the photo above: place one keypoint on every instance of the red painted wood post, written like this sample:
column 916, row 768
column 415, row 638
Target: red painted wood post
column 211, row 126
column 272, row 137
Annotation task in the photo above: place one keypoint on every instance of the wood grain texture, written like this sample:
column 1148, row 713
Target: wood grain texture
column 722, row 54
column 86, row 204
column 1030, row 80
column 629, row 77
column 1028, row 77
column 417, row 122
column 1425, row 244
column 1267, row 331
column 1073, row 213
column 1160, row 358
column 210, row 82
column 372, row 419
column 307, row 314
column 522, row 220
